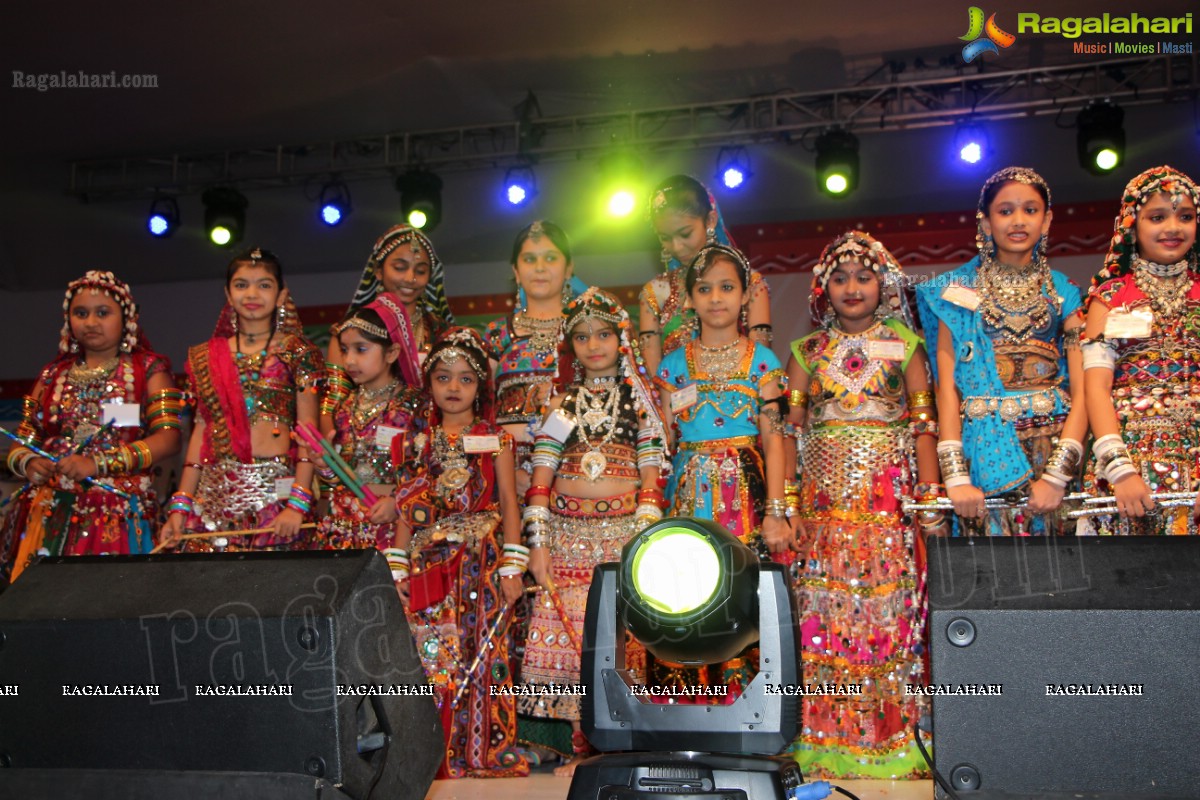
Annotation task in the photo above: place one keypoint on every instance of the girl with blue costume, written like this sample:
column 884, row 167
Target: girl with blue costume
column 724, row 394
column 1005, row 329
column 686, row 219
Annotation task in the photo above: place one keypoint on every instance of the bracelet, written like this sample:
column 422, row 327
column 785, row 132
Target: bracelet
column 1112, row 457
column 535, row 513
column 181, row 503
column 300, row 499
column 928, row 491
column 1099, row 354
column 164, row 410
column 652, row 497
column 775, row 507
column 916, row 399
column 1064, row 460
column 648, row 511
column 193, row 465
column 953, row 463
column 398, row 562
column 797, row 398
column 19, row 458
column 536, row 491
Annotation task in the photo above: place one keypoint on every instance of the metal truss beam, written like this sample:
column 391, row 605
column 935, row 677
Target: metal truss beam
column 783, row 117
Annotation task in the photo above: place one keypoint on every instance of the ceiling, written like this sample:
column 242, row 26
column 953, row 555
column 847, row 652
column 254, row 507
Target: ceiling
column 248, row 74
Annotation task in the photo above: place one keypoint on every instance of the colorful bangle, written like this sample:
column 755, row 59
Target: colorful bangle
column 398, row 562
column 536, row 491
column 181, row 503
column 300, row 499
column 164, row 410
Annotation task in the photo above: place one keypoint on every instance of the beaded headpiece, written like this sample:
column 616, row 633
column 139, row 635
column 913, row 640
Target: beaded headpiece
column 106, row 283
column 895, row 296
column 1023, row 175
column 397, row 236
column 595, row 303
column 1123, row 246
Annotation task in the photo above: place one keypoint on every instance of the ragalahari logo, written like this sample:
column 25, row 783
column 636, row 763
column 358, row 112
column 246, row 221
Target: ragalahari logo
column 994, row 40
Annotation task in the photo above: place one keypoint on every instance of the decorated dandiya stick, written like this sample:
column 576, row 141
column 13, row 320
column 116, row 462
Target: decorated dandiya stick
column 79, row 448
column 335, row 462
column 557, row 602
column 501, row 617
column 40, row 452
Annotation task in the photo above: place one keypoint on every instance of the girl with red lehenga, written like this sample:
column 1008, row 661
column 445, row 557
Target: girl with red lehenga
column 105, row 371
column 254, row 380
column 457, row 557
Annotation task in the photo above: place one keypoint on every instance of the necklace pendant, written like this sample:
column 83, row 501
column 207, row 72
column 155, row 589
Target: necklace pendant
column 593, row 464
column 452, row 479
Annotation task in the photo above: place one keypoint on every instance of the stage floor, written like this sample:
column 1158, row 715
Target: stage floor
column 541, row 786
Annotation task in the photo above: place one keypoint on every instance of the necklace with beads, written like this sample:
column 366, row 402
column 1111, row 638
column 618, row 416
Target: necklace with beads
column 543, row 333
column 1011, row 299
column 720, row 362
column 596, row 407
column 1165, row 285
column 249, row 369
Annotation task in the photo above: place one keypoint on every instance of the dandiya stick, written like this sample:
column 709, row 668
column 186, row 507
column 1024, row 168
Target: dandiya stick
column 219, row 534
column 557, row 602
column 40, row 452
column 334, row 460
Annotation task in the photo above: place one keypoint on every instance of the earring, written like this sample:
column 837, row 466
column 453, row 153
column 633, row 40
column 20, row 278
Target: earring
column 74, row 347
column 516, row 301
column 711, row 233
column 233, row 322
column 566, row 291
column 281, row 312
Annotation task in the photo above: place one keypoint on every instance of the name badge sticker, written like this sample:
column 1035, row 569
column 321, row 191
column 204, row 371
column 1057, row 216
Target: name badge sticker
column 384, row 435
column 481, row 444
column 885, row 349
column 1136, row 323
column 685, row 398
column 558, row 425
column 283, row 487
column 961, row 296
column 121, row 415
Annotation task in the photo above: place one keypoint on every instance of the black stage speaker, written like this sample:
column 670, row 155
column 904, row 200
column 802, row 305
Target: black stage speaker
column 1066, row 664
column 253, row 662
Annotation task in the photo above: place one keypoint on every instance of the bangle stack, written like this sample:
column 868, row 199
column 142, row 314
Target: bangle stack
column 18, row 460
column 399, row 563
column 300, row 499
column 918, row 399
column 164, row 410
column 536, row 520
column 953, row 462
column 775, row 507
column 514, row 560
column 1112, row 458
column 1063, row 462
column 797, row 399
column 181, row 503
column 923, row 423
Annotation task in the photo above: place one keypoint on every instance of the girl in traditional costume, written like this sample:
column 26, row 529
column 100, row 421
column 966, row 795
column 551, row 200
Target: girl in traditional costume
column 723, row 392
column 1140, row 357
column 379, row 354
column 524, row 344
column 596, row 466
column 105, row 411
column 686, row 219
column 457, row 557
column 866, row 431
column 252, row 382
column 1005, row 330
column 404, row 263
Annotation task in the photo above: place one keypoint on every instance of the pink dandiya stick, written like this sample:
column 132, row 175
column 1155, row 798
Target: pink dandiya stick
column 220, row 534
column 316, row 441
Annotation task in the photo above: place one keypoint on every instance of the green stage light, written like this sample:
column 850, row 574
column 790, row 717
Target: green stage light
column 676, row 570
column 688, row 591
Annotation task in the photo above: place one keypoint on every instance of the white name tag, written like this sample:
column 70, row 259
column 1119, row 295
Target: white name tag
column 384, row 435
column 283, row 487
column 121, row 415
column 885, row 349
column 685, row 398
column 481, row 444
column 559, row 424
column 1134, row 324
column 961, row 296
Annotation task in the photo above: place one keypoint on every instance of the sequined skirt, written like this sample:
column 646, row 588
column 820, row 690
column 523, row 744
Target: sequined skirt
column 233, row 495
column 583, row 534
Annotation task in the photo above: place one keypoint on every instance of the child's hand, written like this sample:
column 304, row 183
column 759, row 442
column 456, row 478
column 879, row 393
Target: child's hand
column 968, row 501
column 384, row 510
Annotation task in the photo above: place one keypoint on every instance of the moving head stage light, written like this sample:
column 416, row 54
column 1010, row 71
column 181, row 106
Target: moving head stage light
column 690, row 592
